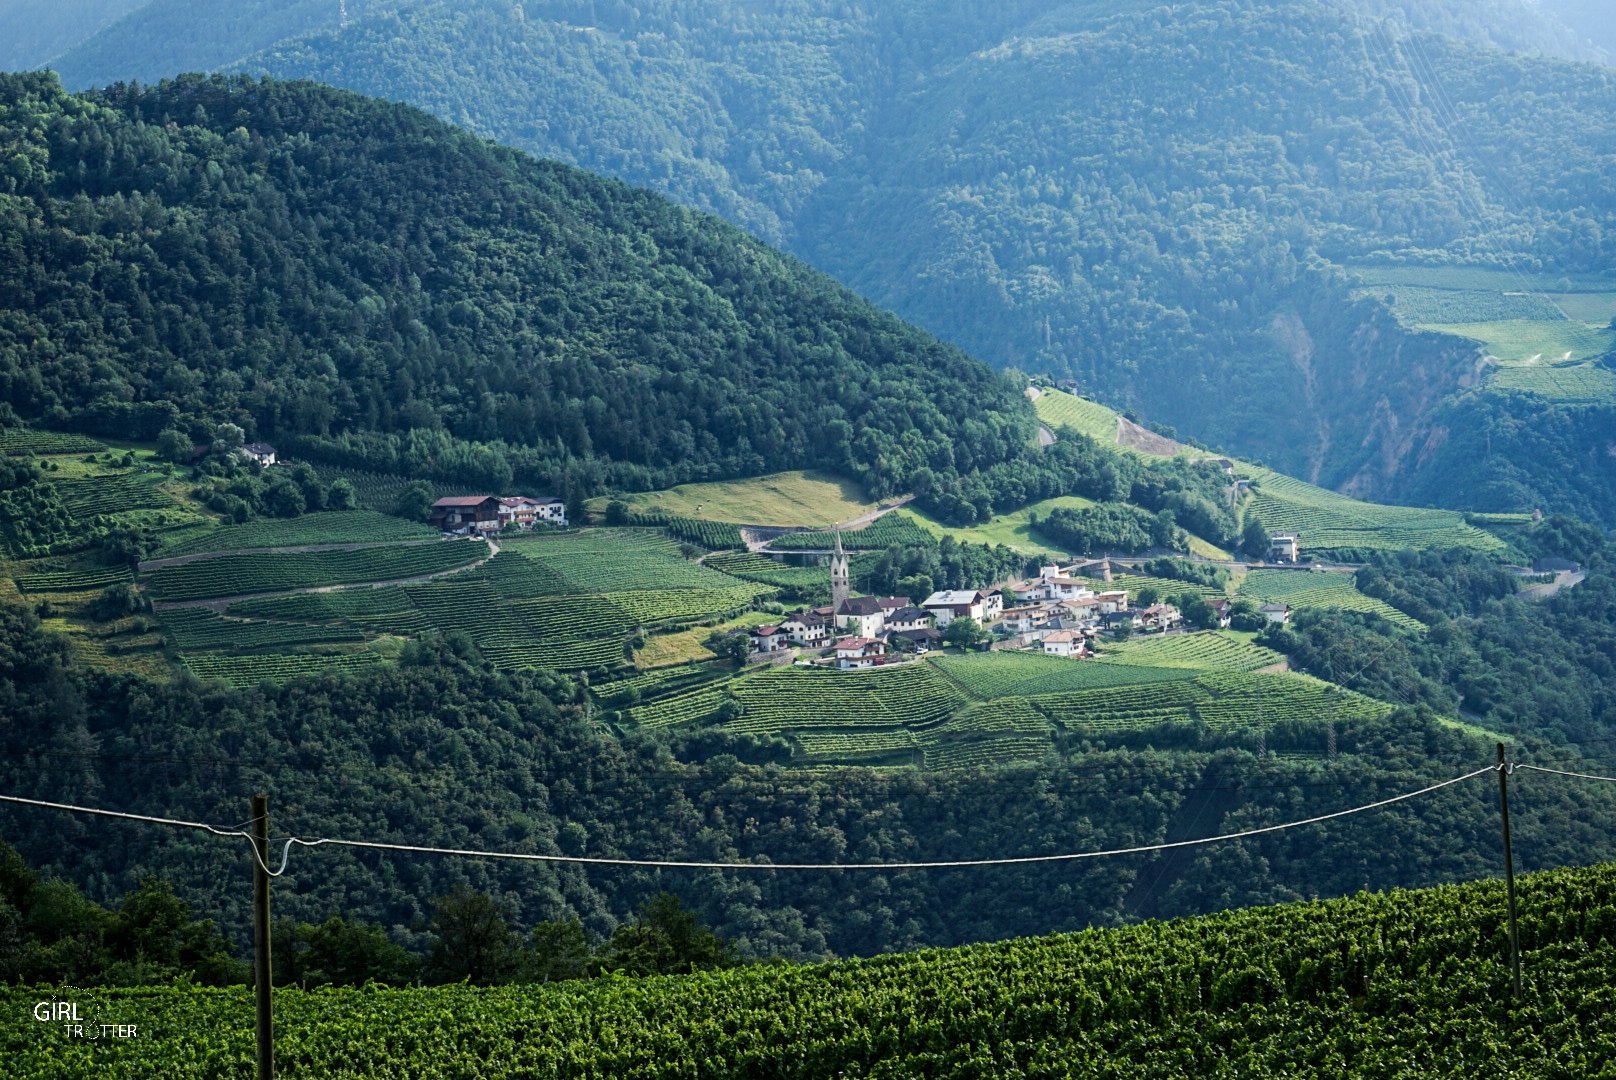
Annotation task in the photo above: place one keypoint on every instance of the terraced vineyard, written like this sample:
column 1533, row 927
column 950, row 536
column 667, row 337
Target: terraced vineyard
column 330, row 527
column 1260, row 992
column 1303, row 589
column 1124, row 710
column 233, row 575
column 715, row 535
column 1327, row 521
column 63, row 580
column 94, row 496
column 16, row 441
column 252, row 669
column 570, row 633
column 988, row 734
column 381, row 491
column 1258, row 701
column 201, row 630
column 986, row 676
column 751, row 566
column 1209, row 650
column 673, row 606
column 376, row 607
column 1164, row 587
column 1058, row 409
column 512, row 575
column 793, row 700
column 893, row 529
column 1577, row 383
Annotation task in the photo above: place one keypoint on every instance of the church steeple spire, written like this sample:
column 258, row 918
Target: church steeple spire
column 838, row 574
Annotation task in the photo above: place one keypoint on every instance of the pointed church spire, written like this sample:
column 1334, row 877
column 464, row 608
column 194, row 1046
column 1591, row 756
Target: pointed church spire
column 839, row 586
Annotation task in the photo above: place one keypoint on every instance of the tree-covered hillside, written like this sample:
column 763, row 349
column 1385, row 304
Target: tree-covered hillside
column 305, row 262
column 1014, row 180
column 1011, row 178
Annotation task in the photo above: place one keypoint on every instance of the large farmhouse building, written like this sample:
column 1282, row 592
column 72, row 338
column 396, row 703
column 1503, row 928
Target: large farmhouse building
column 488, row 513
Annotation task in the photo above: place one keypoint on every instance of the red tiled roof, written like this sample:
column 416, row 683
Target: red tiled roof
column 463, row 500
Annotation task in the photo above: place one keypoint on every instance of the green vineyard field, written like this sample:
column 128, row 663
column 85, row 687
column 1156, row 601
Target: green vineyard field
column 330, row 527
column 198, row 629
column 94, row 496
column 1302, row 589
column 17, row 441
column 1583, row 384
column 1058, row 409
column 1396, row 984
column 1209, row 650
column 1164, row 587
column 790, row 700
column 893, row 529
column 1023, row 674
column 381, row 491
column 1327, row 521
column 750, row 566
column 232, row 575
column 72, row 580
column 716, row 535
column 252, row 669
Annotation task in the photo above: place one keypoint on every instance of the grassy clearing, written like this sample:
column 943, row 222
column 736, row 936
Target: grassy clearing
column 800, row 498
column 1011, row 530
column 685, row 646
column 1521, row 340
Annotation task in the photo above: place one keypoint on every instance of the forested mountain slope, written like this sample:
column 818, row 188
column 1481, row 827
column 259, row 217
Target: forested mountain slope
column 306, row 262
column 1151, row 200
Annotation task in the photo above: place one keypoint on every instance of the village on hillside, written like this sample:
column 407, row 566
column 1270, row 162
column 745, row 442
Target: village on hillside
column 1062, row 611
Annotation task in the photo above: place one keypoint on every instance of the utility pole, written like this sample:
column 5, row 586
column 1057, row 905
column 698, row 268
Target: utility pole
column 1509, row 873
column 261, row 968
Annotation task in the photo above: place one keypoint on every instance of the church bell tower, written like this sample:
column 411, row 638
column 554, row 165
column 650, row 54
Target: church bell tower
column 838, row 574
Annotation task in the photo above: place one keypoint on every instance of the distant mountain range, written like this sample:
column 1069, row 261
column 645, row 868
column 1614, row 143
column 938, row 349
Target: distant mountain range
column 1166, row 204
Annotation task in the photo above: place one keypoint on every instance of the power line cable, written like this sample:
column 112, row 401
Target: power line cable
column 680, row 864
column 1564, row 772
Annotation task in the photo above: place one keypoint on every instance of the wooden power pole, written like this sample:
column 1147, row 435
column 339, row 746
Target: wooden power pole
column 1509, row 873
column 261, row 968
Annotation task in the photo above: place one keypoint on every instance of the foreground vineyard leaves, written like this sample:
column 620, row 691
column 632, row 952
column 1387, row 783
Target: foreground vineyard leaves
column 1394, row 984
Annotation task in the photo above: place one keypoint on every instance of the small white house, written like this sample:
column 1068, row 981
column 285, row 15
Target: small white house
column 951, row 604
column 862, row 616
column 859, row 652
column 1064, row 643
column 770, row 639
column 1285, row 547
column 1113, row 601
column 261, row 452
column 1276, row 613
column 807, row 628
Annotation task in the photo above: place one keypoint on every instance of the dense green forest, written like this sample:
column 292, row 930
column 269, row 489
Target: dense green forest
column 386, row 292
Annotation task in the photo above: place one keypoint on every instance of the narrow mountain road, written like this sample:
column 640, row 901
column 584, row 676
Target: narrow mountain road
column 1565, row 579
column 220, row 603
column 879, row 512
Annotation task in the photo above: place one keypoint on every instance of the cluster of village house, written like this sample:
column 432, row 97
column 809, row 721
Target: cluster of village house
column 490, row 513
column 1059, row 612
